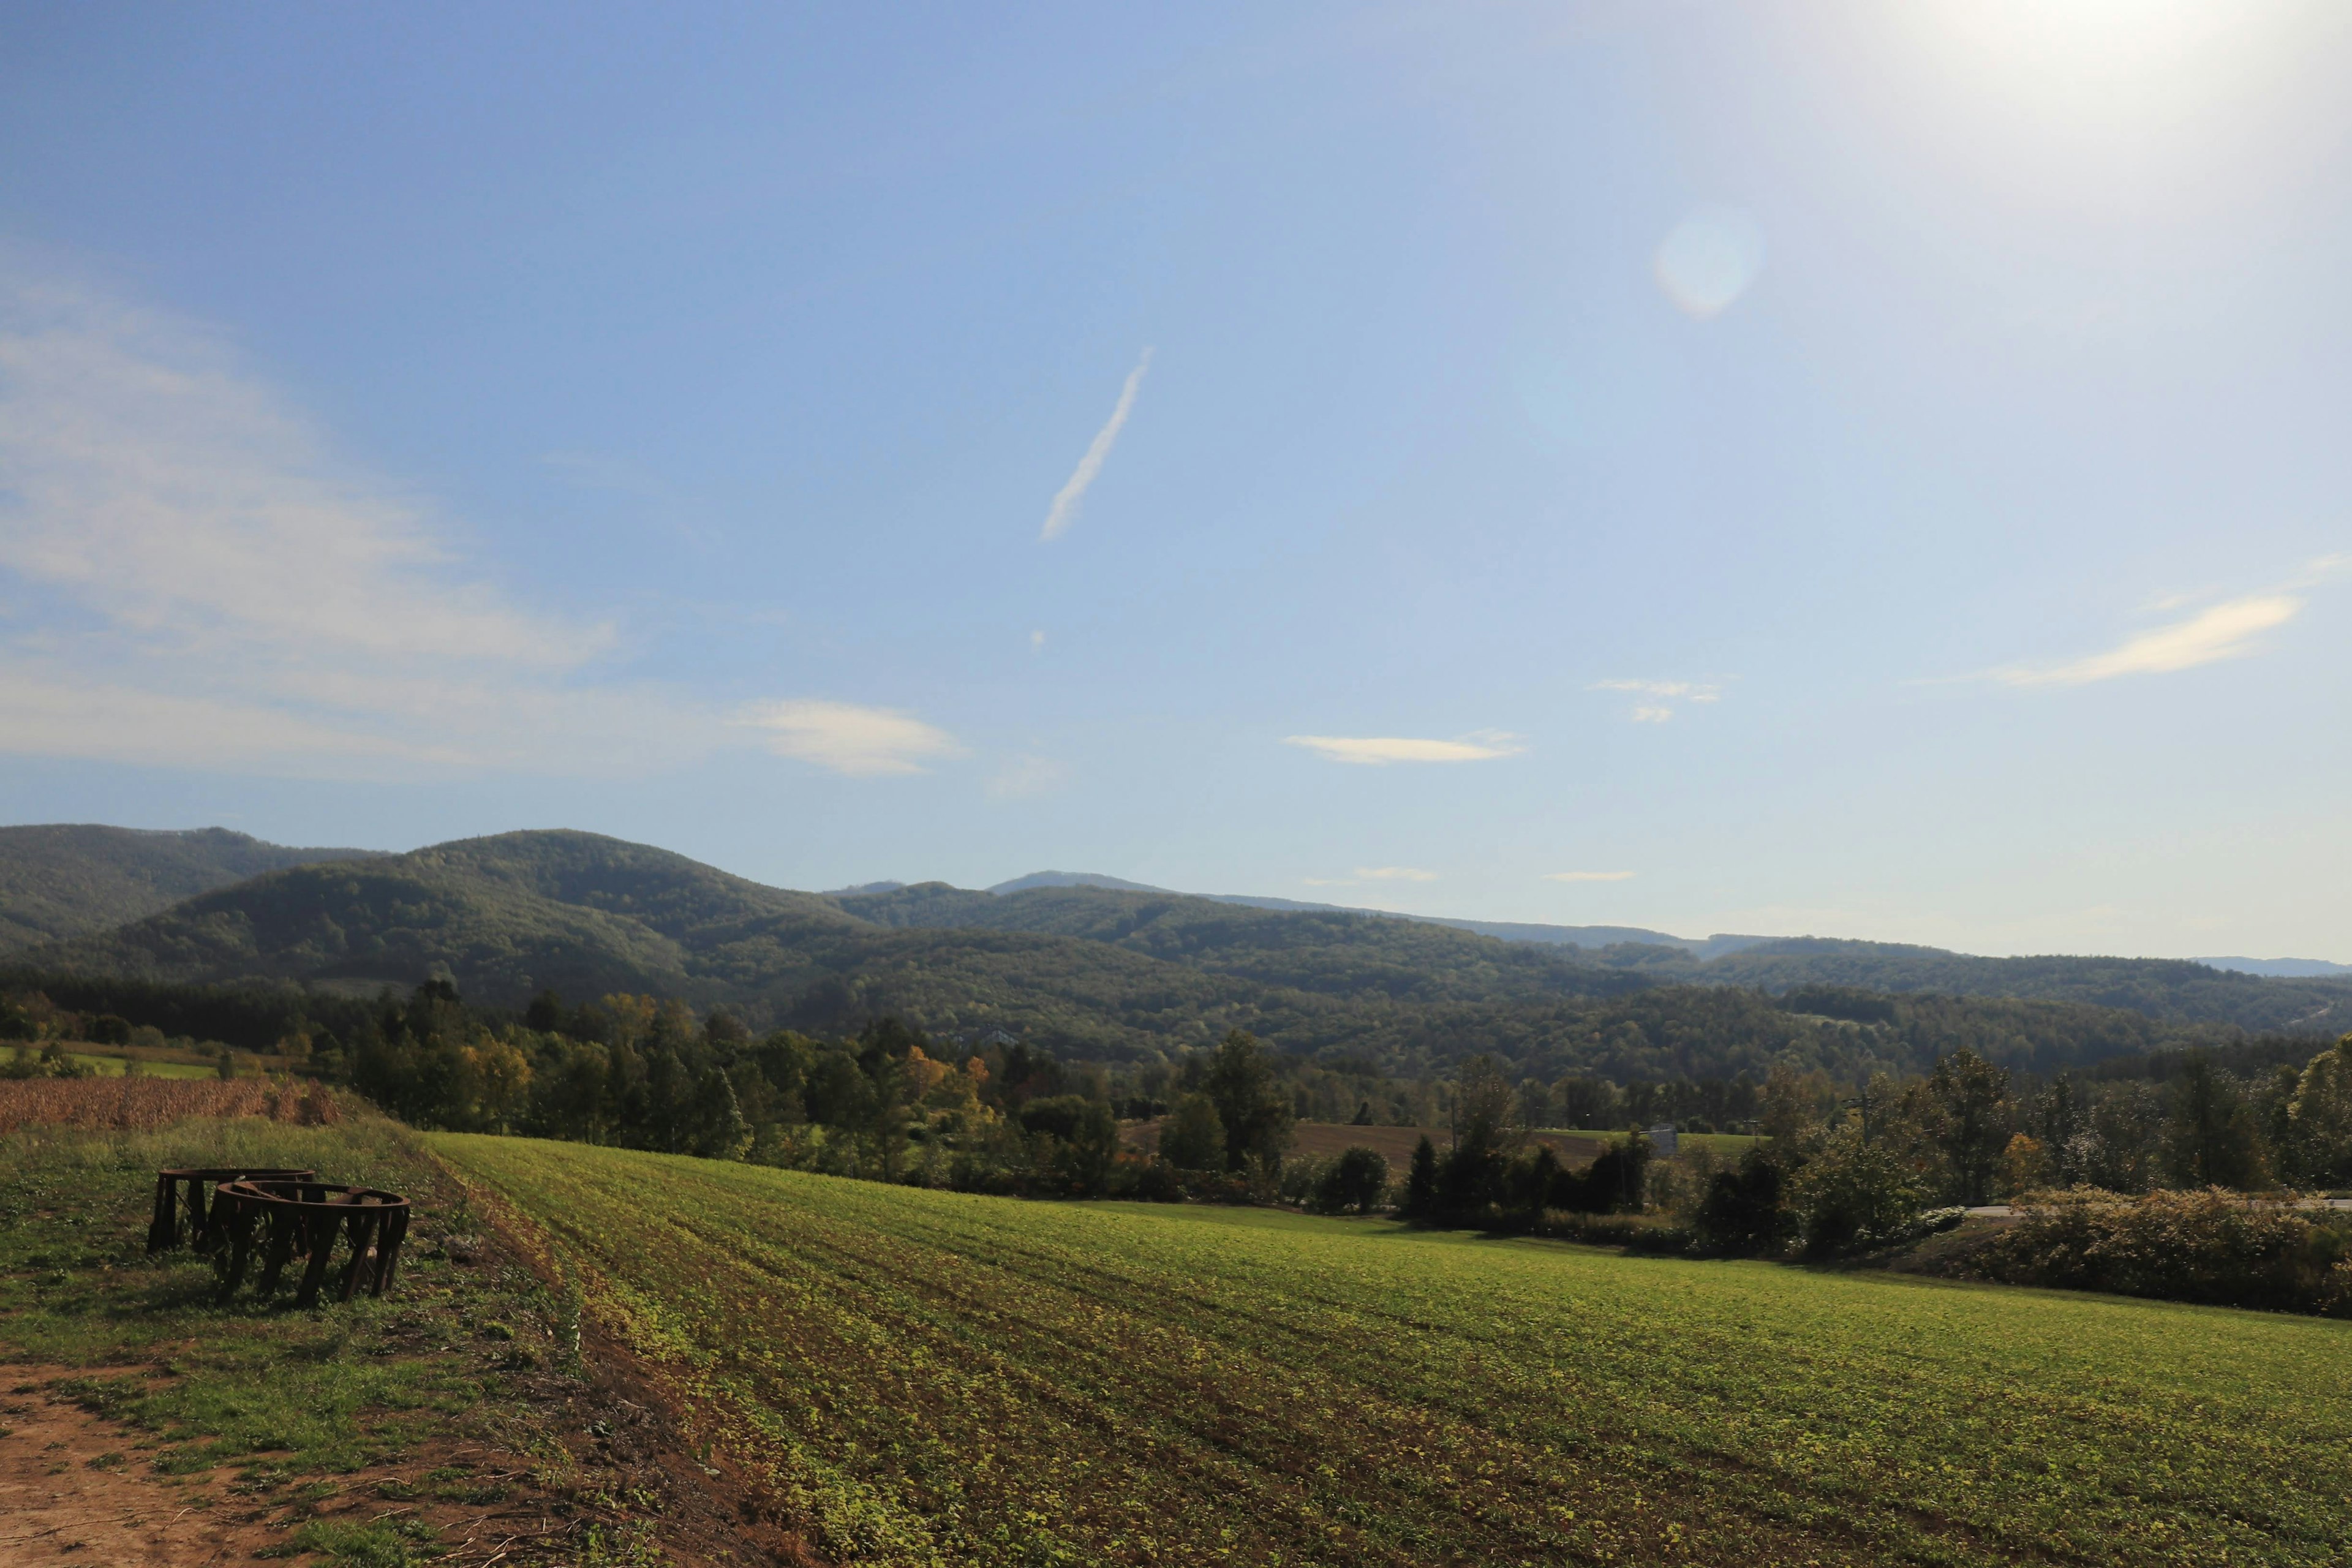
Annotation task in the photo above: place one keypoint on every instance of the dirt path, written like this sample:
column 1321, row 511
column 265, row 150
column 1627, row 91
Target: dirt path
column 72, row 1490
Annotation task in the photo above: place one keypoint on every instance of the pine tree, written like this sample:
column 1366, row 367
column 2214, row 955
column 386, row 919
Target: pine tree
column 1420, row 1181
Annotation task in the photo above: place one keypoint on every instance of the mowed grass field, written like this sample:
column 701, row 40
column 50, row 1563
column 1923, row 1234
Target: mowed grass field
column 106, row 1066
column 932, row 1378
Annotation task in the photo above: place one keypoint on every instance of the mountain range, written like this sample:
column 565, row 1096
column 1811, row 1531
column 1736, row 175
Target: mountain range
column 1089, row 968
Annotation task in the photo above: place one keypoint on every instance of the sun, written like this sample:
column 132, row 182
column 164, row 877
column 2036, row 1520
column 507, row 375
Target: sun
column 2098, row 58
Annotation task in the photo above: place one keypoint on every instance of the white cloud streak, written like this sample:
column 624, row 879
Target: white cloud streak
column 1687, row 690
column 2225, row 631
column 1379, row 750
column 201, row 581
column 1661, row 692
column 1588, row 875
column 1065, row 509
column 849, row 739
column 1394, row 873
column 1024, row 778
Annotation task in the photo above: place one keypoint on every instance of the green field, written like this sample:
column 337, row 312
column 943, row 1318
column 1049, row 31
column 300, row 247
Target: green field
column 933, row 1378
column 115, row 1067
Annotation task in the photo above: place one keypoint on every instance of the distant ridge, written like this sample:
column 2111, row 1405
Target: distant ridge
column 1506, row 931
column 1120, row 970
column 1073, row 879
column 2285, row 968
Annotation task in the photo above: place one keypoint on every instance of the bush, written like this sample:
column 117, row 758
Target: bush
column 2211, row 1246
column 1194, row 1136
column 1853, row 1196
column 1742, row 1212
column 1355, row 1180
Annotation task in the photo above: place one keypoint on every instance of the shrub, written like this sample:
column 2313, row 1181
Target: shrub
column 2209, row 1246
column 1853, row 1196
column 1742, row 1211
column 1355, row 1180
column 1194, row 1136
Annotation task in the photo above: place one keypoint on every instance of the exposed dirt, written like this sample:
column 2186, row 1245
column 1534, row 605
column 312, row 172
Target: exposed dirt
column 74, row 1488
column 602, row 1468
column 613, row 1457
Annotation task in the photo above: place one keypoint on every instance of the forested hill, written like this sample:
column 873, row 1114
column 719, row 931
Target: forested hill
column 2173, row 990
column 1423, row 959
column 61, row 879
column 1116, row 973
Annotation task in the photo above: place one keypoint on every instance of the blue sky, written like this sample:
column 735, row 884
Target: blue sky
column 1810, row 468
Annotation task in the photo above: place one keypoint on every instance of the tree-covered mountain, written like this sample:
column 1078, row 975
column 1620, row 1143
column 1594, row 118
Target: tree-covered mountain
column 61, row 879
column 2171, row 989
column 1111, row 973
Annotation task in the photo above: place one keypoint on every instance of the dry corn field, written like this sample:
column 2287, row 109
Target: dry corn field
column 142, row 1104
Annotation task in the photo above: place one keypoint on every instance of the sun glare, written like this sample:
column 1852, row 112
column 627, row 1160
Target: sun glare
column 2095, row 58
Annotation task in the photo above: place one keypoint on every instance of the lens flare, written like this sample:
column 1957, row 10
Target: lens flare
column 1709, row 260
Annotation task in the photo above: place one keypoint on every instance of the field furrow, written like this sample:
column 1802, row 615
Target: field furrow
column 935, row 1377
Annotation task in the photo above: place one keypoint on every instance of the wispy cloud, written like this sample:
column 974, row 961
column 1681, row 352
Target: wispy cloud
column 1662, row 694
column 1065, row 509
column 1022, row 778
column 849, row 739
column 1588, row 875
column 1378, row 751
column 1689, row 690
column 2227, row 630
column 1364, row 874
column 204, row 581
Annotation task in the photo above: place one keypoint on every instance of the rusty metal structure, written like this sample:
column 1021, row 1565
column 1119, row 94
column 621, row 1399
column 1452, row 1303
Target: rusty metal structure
column 291, row 1216
column 164, row 1232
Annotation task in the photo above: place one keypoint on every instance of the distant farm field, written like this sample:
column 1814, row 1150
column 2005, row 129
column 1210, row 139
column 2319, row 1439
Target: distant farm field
column 1321, row 1140
column 933, row 1378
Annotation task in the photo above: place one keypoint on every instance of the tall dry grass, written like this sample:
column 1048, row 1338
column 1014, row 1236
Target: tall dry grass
column 146, row 1104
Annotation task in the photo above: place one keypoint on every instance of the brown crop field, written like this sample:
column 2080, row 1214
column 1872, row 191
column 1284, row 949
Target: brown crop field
column 143, row 1104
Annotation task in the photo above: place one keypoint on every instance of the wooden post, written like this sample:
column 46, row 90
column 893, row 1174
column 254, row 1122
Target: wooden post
column 232, row 1229
column 362, row 1228
column 395, row 1231
column 163, row 1230
column 322, row 1240
column 282, row 1224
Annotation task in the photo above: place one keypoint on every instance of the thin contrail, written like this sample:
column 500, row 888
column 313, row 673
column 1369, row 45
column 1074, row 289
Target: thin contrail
column 1066, row 501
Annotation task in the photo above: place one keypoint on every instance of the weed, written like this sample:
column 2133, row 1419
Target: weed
column 404, row 1544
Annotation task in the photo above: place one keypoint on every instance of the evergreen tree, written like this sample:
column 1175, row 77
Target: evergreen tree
column 718, row 1130
column 1194, row 1136
column 1420, row 1181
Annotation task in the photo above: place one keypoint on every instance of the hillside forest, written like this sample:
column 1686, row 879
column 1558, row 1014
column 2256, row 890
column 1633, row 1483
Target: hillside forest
column 890, row 1103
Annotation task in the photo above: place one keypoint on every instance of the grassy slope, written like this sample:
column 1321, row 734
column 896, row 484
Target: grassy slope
column 317, row 1428
column 61, row 879
column 935, row 1378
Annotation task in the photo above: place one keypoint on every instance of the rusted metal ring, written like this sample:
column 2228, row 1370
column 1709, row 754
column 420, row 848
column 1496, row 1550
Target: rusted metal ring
column 163, row 1230
column 304, row 1217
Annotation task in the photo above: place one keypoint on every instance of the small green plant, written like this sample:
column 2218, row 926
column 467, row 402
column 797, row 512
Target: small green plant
column 404, row 1544
column 631, row 1545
